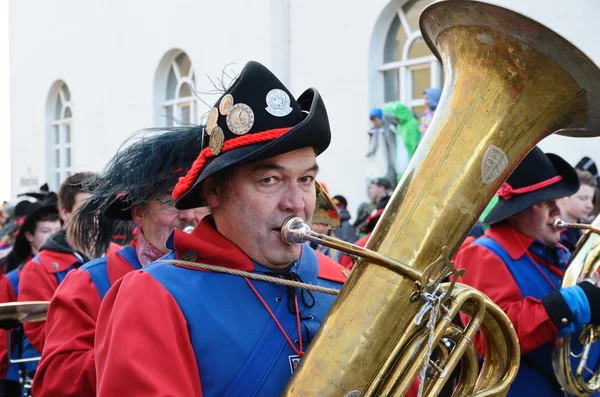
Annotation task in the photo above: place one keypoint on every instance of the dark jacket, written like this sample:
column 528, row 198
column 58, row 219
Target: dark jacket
column 346, row 231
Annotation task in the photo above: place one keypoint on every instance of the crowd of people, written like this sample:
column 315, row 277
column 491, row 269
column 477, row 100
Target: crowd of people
column 121, row 254
column 395, row 135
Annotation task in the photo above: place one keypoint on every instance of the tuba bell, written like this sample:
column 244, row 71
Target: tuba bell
column 510, row 82
column 583, row 265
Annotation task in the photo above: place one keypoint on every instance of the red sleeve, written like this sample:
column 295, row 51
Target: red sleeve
column 36, row 284
column 346, row 261
column 488, row 273
column 142, row 345
column 67, row 364
column 6, row 295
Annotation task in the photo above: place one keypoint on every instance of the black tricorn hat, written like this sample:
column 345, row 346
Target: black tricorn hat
column 539, row 177
column 255, row 119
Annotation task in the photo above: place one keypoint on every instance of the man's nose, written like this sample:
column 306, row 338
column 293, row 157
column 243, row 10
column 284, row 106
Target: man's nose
column 292, row 200
column 186, row 215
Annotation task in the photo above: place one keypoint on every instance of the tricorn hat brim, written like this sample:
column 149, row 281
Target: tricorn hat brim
column 567, row 186
column 313, row 132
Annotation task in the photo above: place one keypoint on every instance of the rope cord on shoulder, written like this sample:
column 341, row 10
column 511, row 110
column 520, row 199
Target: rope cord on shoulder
column 254, row 276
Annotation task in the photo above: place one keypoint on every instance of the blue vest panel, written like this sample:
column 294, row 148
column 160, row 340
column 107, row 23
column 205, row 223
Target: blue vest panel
column 239, row 350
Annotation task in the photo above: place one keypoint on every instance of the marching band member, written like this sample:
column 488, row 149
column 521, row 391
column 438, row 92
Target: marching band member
column 41, row 223
column 519, row 264
column 57, row 256
column 67, row 364
column 178, row 330
column 577, row 208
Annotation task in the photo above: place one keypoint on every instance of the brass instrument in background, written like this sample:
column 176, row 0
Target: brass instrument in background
column 510, row 82
column 584, row 264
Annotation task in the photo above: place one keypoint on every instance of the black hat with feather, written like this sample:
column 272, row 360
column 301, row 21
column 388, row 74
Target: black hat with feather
column 255, row 119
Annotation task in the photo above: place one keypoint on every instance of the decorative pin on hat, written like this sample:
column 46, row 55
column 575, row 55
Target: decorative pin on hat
column 278, row 103
column 245, row 131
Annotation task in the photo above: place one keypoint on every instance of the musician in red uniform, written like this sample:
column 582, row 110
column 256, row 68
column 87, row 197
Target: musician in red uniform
column 57, row 256
column 67, row 366
column 519, row 263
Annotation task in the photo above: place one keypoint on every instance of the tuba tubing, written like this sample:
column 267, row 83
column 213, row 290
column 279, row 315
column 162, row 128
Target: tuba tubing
column 583, row 265
column 510, row 82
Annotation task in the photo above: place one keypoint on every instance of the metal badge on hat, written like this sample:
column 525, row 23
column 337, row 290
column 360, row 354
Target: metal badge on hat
column 240, row 119
column 226, row 104
column 211, row 121
column 278, row 103
column 217, row 139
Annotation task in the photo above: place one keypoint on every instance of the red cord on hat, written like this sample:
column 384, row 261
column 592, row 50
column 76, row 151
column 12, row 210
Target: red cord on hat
column 506, row 191
column 187, row 181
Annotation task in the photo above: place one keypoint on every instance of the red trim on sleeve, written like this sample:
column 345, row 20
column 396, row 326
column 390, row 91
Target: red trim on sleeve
column 67, row 366
column 117, row 267
column 36, row 284
column 6, row 295
column 130, row 359
column 488, row 273
column 330, row 269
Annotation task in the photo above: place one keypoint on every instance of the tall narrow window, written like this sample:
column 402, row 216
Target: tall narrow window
column 409, row 66
column 61, row 135
column 179, row 104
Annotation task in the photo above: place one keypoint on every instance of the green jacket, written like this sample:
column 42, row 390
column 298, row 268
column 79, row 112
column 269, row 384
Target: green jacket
column 408, row 126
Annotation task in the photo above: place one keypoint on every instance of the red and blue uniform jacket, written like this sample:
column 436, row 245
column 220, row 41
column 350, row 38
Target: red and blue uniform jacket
column 180, row 331
column 501, row 265
column 7, row 294
column 569, row 237
column 38, row 281
column 67, row 365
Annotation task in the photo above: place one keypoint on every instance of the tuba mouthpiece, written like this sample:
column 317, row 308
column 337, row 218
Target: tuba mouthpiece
column 294, row 230
column 559, row 224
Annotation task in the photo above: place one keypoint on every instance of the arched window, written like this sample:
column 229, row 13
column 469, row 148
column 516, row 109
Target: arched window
column 61, row 113
column 408, row 65
column 175, row 88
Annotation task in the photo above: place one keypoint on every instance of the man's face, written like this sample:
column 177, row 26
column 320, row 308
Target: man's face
column 580, row 205
column 250, row 209
column 319, row 228
column 377, row 122
column 158, row 218
column 375, row 191
column 80, row 199
column 537, row 222
column 43, row 230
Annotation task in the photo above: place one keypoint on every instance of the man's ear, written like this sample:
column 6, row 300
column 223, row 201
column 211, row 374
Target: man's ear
column 64, row 215
column 137, row 214
column 29, row 236
column 211, row 192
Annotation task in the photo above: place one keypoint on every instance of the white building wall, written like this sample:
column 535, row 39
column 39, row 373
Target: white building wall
column 107, row 53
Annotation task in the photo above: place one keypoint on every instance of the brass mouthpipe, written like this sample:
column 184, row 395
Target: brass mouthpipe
column 560, row 224
column 295, row 230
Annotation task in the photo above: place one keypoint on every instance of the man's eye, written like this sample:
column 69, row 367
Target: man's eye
column 269, row 180
column 306, row 179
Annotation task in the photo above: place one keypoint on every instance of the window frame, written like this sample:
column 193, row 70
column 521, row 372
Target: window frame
column 59, row 170
column 406, row 65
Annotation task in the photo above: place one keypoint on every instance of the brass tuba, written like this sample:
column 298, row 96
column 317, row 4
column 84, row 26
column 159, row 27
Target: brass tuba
column 584, row 264
column 510, row 82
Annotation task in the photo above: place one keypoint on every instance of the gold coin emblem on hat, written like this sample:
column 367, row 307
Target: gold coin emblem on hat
column 211, row 121
column 240, row 119
column 217, row 139
column 226, row 104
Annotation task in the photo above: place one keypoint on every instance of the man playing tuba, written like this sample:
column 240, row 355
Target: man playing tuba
column 178, row 330
column 519, row 263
